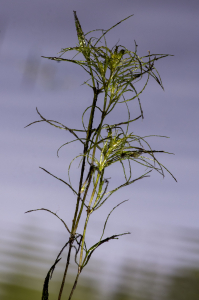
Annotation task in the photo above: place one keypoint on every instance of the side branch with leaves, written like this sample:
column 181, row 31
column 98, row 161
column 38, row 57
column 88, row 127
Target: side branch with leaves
column 113, row 72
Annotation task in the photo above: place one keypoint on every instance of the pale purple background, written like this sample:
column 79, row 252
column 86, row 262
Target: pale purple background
column 29, row 29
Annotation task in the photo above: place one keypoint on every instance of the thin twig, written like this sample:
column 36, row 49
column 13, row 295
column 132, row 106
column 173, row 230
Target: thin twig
column 51, row 213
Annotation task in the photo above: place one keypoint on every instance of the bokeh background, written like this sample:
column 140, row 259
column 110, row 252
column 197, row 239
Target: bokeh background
column 160, row 259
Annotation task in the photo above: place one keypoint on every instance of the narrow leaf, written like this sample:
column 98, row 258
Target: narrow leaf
column 80, row 33
column 45, row 294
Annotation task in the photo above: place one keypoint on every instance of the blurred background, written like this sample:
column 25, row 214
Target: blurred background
column 160, row 259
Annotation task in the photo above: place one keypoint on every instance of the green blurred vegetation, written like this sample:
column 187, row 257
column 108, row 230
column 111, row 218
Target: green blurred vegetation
column 184, row 285
column 16, row 289
column 28, row 262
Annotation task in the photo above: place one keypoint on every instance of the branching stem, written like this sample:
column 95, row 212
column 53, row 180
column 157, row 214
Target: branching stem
column 113, row 72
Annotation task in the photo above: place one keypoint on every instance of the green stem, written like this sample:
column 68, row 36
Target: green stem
column 89, row 131
column 74, row 285
column 87, row 218
column 66, row 268
column 83, row 239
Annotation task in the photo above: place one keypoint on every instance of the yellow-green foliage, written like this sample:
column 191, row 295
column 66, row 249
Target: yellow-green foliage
column 113, row 72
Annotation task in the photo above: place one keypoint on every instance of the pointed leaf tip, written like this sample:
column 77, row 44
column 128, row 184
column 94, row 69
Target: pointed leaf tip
column 80, row 33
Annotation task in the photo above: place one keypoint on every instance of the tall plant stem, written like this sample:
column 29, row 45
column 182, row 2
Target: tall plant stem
column 93, row 192
column 89, row 132
column 75, row 284
column 66, row 268
column 75, row 223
